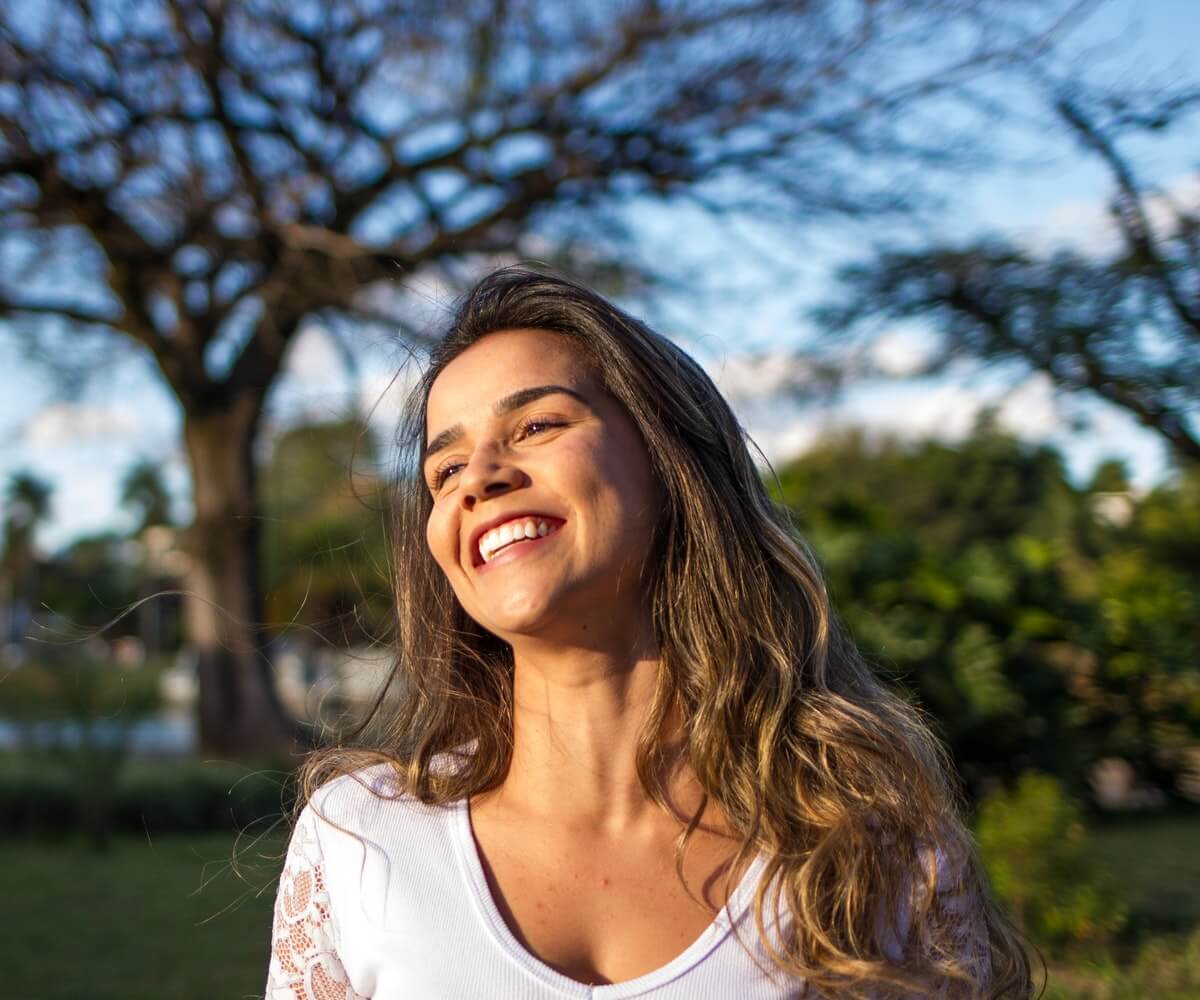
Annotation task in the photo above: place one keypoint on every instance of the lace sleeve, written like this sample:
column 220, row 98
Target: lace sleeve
column 956, row 928
column 304, row 958
column 959, row 910
column 952, row 929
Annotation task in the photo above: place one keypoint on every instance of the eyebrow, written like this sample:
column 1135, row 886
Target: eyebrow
column 513, row 401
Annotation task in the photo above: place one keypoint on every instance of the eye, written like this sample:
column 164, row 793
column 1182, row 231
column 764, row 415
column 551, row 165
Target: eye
column 536, row 426
column 444, row 472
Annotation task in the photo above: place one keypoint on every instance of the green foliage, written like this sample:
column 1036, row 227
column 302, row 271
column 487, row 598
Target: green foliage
column 325, row 562
column 82, row 730
column 1043, row 626
column 148, row 797
column 197, row 796
column 36, row 799
column 1146, row 589
column 946, row 564
column 79, row 688
column 27, row 503
column 1167, row 967
column 145, row 493
column 1034, row 846
column 27, row 500
column 1164, row 968
column 87, row 585
column 1155, row 861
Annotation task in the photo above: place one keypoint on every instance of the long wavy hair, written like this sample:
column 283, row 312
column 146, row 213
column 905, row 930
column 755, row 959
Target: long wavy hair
column 871, row 873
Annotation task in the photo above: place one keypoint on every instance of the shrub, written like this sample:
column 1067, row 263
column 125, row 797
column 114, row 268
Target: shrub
column 1169, row 965
column 154, row 797
column 1164, row 968
column 1034, row 846
column 37, row 800
column 194, row 796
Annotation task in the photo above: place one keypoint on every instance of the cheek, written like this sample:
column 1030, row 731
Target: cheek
column 442, row 540
column 630, row 480
column 623, row 504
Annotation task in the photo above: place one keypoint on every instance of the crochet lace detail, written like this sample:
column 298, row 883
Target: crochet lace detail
column 960, row 912
column 955, row 921
column 304, row 957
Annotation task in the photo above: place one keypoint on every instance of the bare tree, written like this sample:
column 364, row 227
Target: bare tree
column 203, row 177
column 1121, row 323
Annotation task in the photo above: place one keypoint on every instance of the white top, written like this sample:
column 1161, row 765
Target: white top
column 396, row 906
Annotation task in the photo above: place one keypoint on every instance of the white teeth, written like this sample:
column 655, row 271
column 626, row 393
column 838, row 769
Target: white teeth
column 513, row 531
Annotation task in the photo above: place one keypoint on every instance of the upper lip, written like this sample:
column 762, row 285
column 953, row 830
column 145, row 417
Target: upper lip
column 484, row 527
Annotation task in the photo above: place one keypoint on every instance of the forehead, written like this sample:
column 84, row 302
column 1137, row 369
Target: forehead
column 499, row 364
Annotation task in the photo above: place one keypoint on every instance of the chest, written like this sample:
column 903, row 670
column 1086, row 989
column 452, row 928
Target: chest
column 602, row 910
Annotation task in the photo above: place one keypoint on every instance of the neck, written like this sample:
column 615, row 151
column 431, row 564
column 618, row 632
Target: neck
column 577, row 714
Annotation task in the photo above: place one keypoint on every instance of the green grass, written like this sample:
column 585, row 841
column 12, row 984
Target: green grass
column 1156, row 864
column 169, row 919
column 1164, row 968
column 1156, row 867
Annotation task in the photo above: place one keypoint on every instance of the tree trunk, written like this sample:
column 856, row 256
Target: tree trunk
column 239, row 711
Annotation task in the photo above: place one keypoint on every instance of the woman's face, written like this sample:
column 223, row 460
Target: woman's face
column 522, row 441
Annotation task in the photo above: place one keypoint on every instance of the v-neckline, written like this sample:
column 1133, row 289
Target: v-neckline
column 471, row 864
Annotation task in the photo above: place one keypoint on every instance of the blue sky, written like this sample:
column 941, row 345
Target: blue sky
column 84, row 446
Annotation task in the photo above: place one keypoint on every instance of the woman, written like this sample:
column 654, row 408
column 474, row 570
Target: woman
column 626, row 749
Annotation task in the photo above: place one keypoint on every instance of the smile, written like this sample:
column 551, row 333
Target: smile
column 514, row 532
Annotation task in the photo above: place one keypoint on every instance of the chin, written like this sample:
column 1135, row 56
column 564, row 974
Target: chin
column 518, row 614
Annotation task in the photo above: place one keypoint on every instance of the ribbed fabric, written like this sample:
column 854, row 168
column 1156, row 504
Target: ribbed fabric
column 405, row 913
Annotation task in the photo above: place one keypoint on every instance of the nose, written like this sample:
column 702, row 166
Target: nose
column 486, row 476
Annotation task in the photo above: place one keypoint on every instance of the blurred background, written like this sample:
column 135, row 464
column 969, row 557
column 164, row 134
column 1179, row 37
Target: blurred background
column 943, row 256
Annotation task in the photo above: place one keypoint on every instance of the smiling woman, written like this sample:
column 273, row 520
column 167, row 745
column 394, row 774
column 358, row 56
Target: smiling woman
column 626, row 748
column 555, row 448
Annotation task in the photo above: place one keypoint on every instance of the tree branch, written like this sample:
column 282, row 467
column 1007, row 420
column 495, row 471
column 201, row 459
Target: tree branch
column 1131, row 212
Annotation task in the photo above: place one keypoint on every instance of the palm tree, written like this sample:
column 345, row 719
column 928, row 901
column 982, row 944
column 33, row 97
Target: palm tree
column 143, row 490
column 27, row 504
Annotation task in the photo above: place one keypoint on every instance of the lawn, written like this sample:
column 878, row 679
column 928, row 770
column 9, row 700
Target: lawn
column 165, row 919
column 173, row 918
column 1157, row 865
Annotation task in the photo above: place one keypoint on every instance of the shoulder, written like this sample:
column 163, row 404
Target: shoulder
column 346, row 795
column 383, row 852
column 370, row 806
column 353, row 798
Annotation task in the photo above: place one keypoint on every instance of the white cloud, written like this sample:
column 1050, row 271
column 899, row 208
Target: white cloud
column 947, row 409
column 900, row 352
column 61, row 424
column 1087, row 225
column 83, row 504
column 313, row 357
column 382, row 394
column 1031, row 410
column 753, row 377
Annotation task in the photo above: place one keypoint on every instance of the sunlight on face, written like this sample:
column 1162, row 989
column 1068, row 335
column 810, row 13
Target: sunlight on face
column 524, row 441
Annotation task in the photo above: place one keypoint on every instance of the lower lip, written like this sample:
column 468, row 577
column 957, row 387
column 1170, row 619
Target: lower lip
column 518, row 549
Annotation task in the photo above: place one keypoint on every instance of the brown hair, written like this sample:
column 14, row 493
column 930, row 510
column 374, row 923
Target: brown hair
column 837, row 780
